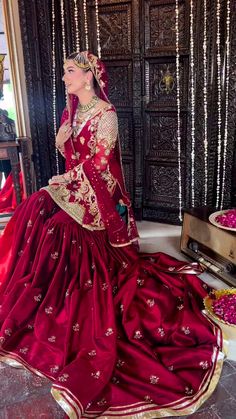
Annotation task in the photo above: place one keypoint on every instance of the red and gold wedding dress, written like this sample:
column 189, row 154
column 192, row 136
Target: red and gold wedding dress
column 119, row 333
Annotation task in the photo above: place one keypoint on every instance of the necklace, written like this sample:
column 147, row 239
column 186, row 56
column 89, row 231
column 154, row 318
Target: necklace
column 88, row 106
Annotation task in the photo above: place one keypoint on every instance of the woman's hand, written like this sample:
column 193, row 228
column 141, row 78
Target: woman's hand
column 64, row 133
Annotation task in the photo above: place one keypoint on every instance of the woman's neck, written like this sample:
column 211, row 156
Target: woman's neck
column 86, row 97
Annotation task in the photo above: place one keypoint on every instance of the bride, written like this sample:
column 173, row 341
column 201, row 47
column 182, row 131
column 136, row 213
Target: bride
column 119, row 333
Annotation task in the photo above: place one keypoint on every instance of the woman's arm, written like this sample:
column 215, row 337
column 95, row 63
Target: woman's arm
column 106, row 140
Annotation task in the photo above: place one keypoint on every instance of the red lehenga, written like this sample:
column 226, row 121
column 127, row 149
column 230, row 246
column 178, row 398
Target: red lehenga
column 119, row 333
column 7, row 195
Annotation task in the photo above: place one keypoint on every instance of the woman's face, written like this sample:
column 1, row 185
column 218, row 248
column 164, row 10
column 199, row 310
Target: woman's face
column 74, row 77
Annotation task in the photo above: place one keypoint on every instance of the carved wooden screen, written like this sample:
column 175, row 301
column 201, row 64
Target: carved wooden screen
column 138, row 47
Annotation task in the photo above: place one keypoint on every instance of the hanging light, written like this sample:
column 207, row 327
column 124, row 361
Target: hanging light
column 178, row 105
column 205, row 103
column 192, row 90
column 98, row 29
column 76, row 18
column 227, row 70
column 219, row 104
column 54, row 83
column 85, row 24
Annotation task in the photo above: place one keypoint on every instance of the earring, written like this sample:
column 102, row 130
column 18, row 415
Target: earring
column 87, row 86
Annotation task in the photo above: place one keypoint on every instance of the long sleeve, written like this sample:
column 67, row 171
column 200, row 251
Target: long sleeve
column 106, row 138
column 95, row 185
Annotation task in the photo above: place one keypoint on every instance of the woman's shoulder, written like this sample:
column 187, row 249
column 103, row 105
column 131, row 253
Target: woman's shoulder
column 106, row 106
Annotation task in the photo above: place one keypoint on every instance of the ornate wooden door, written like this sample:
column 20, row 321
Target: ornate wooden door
column 138, row 46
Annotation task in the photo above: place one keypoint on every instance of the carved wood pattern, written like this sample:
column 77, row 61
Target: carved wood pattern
column 126, row 134
column 161, row 82
column 115, row 29
column 162, row 186
column 138, row 47
column 120, row 83
column 162, row 136
column 128, row 169
column 160, row 28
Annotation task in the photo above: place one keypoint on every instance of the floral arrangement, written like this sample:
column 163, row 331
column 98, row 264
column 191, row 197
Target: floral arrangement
column 227, row 219
column 221, row 304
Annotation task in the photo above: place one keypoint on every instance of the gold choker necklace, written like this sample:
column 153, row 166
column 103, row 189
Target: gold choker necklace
column 88, row 106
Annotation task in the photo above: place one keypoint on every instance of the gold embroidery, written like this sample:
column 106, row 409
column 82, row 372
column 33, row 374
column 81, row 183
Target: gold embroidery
column 54, row 255
column 38, row 297
column 204, row 365
column 154, row 379
column 83, row 194
column 92, row 353
column 96, row 374
column 109, row 331
column 24, row 350
column 138, row 334
column 54, row 369
column 63, row 377
column 52, row 339
column 119, row 363
column 76, row 327
column 110, row 181
column 2, row 340
column 150, row 302
column 48, row 310
column 161, row 331
column 186, row 330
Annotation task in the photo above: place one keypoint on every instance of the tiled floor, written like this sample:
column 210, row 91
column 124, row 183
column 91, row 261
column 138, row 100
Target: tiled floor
column 26, row 396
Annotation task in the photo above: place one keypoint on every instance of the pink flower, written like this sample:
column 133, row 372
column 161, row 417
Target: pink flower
column 225, row 308
column 227, row 219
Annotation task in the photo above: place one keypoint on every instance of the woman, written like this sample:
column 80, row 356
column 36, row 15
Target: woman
column 119, row 334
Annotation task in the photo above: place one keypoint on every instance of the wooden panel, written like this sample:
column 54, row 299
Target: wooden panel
column 126, row 134
column 161, row 185
column 160, row 82
column 128, row 169
column 115, row 29
column 160, row 26
column 161, row 136
column 120, row 83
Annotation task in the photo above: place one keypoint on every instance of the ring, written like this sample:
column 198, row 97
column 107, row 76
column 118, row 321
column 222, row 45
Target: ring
column 65, row 130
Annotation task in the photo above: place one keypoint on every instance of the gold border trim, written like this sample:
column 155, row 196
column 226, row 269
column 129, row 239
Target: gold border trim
column 181, row 407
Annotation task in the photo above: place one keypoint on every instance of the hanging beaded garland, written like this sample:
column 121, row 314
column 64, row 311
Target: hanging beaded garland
column 54, row 83
column 205, row 102
column 85, row 24
column 192, row 90
column 227, row 70
column 178, row 105
column 76, row 14
column 98, row 29
column 219, row 104
column 63, row 30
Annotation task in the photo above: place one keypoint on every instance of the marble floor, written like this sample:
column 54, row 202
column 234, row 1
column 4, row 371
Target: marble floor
column 26, row 396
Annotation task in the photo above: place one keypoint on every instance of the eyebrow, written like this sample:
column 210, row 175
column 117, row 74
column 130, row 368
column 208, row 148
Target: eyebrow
column 69, row 68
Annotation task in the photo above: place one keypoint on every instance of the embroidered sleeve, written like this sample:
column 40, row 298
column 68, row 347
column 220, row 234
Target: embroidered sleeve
column 106, row 139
